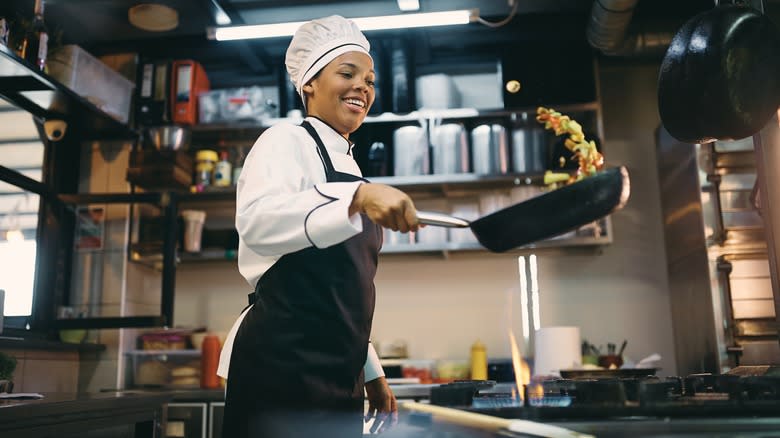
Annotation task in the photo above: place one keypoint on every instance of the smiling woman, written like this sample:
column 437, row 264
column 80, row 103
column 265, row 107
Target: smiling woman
column 20, row 150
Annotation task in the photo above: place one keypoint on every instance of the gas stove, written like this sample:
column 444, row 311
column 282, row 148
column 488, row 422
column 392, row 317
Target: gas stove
column 698, row 405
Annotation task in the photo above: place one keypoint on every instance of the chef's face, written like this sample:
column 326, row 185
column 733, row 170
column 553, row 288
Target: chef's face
column 342, row 93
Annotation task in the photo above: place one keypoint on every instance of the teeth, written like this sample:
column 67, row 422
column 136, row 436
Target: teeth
column 355, row 102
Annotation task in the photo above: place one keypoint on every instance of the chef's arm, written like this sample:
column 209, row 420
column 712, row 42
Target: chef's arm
column 382, row 406
column 385, row 206
column 373, row 368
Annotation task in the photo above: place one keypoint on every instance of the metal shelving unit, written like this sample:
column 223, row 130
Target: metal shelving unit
column 45, row 98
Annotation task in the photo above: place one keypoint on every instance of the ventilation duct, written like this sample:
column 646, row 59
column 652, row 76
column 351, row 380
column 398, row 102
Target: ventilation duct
column 608, row 31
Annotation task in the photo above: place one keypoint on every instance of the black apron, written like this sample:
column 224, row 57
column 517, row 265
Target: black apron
column 298, row 355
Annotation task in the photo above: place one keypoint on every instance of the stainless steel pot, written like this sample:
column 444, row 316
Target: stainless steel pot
column 490, row 149
column 410, row 151
column 450, row 148
column 169, row 137
column 528, row 149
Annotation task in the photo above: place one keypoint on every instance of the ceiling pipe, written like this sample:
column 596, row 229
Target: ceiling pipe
column 608, row 31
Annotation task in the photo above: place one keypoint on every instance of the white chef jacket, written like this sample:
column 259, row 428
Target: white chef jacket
column 284, row 204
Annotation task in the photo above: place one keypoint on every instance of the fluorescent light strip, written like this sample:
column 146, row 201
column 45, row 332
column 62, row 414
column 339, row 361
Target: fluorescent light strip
column 403, row 21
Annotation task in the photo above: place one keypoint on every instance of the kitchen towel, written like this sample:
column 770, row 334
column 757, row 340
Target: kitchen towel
column 556, row 348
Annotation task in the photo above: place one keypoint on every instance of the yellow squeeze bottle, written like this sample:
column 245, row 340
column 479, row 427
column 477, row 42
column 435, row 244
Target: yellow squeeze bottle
column 478, row 361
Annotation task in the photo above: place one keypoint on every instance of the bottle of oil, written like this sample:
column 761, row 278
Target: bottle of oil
column 478, row 361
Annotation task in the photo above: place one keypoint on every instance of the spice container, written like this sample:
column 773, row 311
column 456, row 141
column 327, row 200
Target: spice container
column 205, row 161
column 223, row 171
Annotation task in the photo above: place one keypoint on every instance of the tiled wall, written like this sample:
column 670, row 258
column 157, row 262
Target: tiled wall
column 45, row 371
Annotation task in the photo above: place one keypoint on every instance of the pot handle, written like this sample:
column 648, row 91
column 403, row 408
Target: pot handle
column 441, row 220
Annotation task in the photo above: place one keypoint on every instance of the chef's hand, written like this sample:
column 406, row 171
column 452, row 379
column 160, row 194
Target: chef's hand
column 381, row 405
column 385, row 206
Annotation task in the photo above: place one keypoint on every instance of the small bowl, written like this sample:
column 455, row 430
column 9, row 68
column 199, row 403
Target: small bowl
column 169, row 137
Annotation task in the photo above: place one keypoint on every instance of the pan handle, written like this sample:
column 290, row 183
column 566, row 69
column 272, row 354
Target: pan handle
column 441, row 220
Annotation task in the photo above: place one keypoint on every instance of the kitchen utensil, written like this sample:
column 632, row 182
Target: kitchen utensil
column 608, row 374
column 622, row 347
column 490, row 423
column 410, row 151
column 546, row 215
column 450, row 149
column 528, row 146
column 169, row 137
column 490, row 149
column 718, row 79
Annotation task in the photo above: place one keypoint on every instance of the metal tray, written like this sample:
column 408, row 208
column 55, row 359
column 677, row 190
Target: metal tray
column 608, row 374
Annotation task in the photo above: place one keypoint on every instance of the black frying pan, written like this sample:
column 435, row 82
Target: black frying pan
column 719, row 77
column 546, row 215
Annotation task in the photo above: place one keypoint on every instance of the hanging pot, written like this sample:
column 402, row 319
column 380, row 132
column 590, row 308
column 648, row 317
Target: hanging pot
column 719, row 77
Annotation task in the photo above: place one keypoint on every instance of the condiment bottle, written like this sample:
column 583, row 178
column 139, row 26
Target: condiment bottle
column 223, row 171
column 209, row 360
column 205, row 161
column 478, row 361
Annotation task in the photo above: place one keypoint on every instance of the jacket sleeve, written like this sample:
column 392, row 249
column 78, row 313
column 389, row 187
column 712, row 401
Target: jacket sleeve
column 373, row 368
column 283, row 206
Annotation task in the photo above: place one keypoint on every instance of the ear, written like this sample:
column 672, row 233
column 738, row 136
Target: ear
column 308, row 88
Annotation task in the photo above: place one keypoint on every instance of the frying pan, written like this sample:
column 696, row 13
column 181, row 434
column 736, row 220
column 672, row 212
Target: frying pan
column 546, row 215
column 719, row 77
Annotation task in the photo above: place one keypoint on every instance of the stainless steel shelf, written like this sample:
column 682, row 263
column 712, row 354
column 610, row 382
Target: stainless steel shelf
column 44, row 97
column 446, row 247
column 445, row 114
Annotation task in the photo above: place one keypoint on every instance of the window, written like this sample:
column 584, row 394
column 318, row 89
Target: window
column 22, row 150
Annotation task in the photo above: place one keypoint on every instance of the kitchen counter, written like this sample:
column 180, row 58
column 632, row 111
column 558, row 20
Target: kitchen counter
column 182, row 395
column 110, row 414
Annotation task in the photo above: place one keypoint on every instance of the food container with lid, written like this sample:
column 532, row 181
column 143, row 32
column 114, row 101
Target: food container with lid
column 164, row 368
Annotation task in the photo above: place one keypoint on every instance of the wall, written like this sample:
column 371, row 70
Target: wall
column 45, row 371
column 440, row 306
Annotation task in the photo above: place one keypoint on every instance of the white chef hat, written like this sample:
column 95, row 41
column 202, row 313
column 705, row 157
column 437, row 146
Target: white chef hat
column 318, row 42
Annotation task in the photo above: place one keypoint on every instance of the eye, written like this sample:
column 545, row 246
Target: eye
column 346, row 74
column 370, row 83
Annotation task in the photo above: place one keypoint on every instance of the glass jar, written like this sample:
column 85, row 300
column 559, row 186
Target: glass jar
column 205, row 160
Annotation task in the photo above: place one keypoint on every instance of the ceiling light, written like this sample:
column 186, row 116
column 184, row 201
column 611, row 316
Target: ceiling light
column 404, row 21
column 153, row 17
column 409, row 5
column 220, row 16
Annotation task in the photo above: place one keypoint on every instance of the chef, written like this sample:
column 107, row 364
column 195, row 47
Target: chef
column 310, row 229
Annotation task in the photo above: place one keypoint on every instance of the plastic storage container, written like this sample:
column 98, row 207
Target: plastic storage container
column 162, row 341
column 235, row 104
column 93, row 80
column 164, row 369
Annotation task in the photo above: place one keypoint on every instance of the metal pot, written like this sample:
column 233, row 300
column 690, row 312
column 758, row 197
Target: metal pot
column 169, row 137
column 528, row 150
column 491, row 149
column 450, row 149
column 410, row 151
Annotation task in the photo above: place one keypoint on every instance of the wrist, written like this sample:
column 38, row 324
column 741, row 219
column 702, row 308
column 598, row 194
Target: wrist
column 357, row 201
